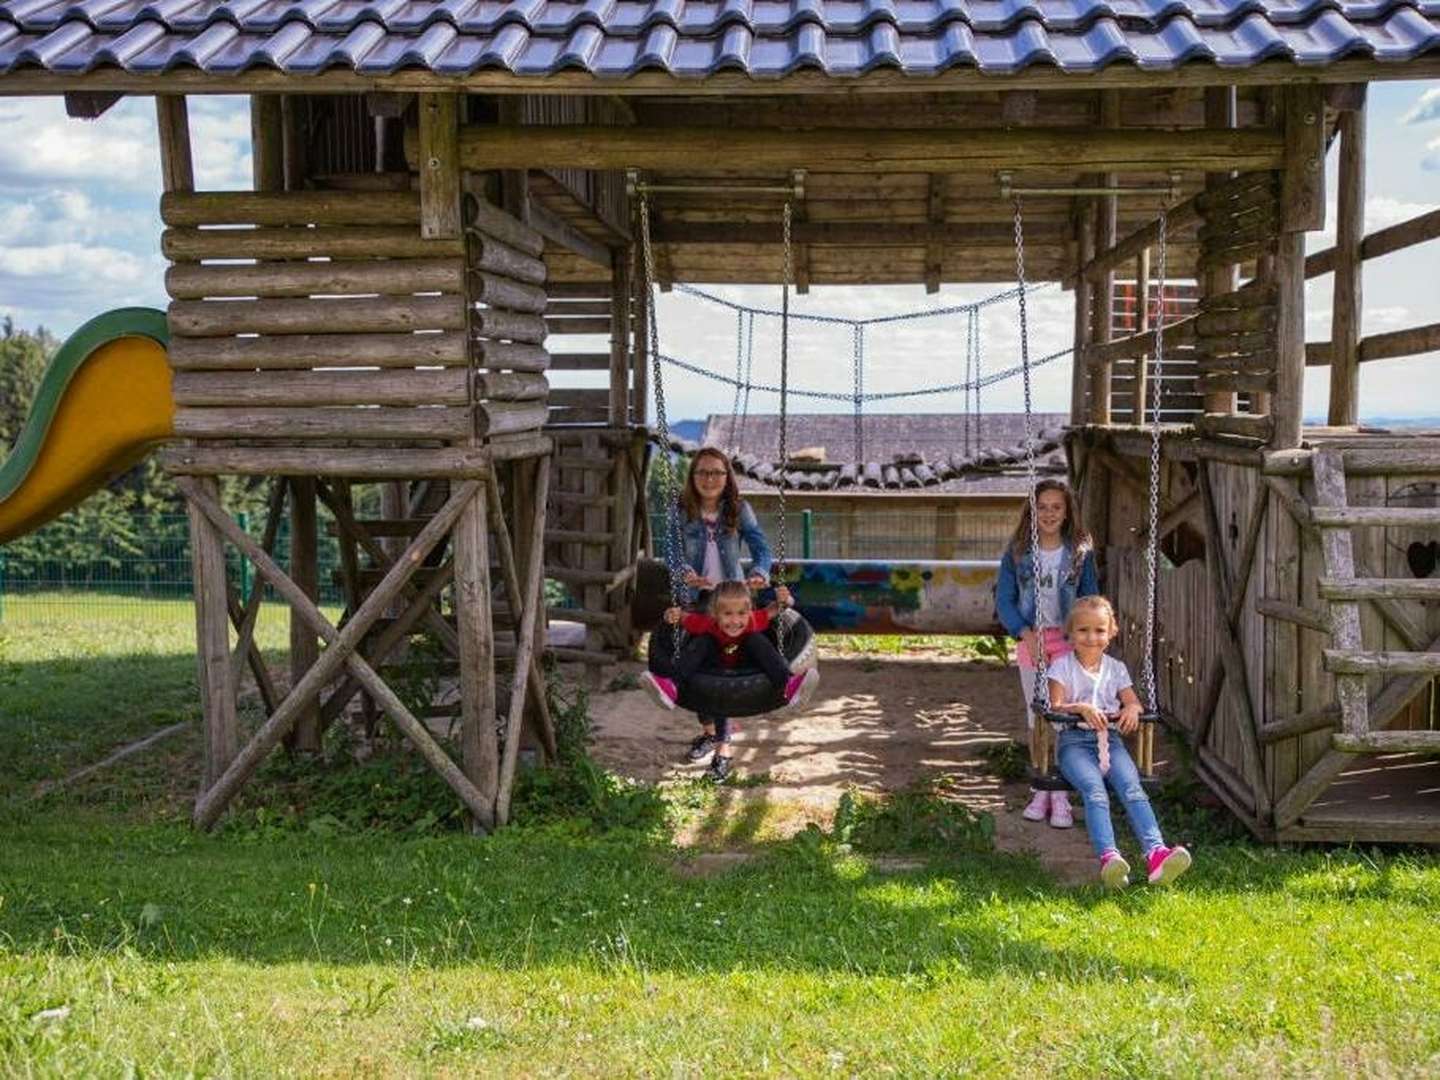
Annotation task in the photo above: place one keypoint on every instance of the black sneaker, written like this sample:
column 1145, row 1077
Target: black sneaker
column 703, row 745
column 719, row 770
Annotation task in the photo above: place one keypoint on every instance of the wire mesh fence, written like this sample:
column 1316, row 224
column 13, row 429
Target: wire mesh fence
column 61, row 574
column 936, row 531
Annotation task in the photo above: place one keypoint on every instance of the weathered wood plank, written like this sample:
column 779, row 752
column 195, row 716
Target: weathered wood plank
column 343, row 315
column 1330, row 496
column 439, row 166
column 270, row 206
column 357, row 462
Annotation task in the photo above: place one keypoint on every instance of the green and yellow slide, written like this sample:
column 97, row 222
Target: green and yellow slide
column 102, row 405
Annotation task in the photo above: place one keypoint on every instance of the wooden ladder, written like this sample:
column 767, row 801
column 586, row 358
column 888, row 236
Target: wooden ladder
column 1348, row 659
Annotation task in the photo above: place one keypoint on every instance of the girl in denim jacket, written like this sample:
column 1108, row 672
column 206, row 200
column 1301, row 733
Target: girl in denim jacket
column 1067, row 571
column 715, row 520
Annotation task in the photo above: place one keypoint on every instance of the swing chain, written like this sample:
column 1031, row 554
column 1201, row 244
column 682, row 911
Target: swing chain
column 1147, row 670
column 1037, row 657
column 739, row 383
column 857, row 378
column 778, row 573
column 669, row 482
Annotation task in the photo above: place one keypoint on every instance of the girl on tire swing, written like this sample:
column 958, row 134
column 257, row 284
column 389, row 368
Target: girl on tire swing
column 715, row 521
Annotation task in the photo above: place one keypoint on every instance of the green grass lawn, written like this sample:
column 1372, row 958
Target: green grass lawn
column 290, row 943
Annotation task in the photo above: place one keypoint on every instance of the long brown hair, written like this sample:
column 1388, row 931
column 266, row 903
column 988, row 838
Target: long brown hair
column 1075, row 535
column 729, row 498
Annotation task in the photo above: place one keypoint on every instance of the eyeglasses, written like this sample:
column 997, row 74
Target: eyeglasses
column 709, row 474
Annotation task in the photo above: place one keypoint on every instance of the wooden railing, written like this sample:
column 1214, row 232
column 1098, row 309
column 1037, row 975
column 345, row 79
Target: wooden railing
column 1414, row 341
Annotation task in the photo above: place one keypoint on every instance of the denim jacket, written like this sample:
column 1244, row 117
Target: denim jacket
column 1015, row 589
column 692, row 533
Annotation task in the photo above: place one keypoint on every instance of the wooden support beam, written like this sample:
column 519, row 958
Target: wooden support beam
column 245, row 625
column 267, row 152
column 1355, row 662
column 1333, row 515
column 1380, row 588
column 620, row 342
column 480, row 748
column 1079, row 372
column 1292, row 613
column 925, row 150
column 1288, row 727
column 1340, row 563
column 305, row 573
column 177, row 169
column 1390, row 742
column 1347, row 312
column 1288, row 404
column 439, row 166
column 1384, row 241
column 1144, row 238
column 90, row 105
column 212, row 637
column 935, row 213
column 527, row 592
column 341, row 649
column 1302, row 179
column 562, row 234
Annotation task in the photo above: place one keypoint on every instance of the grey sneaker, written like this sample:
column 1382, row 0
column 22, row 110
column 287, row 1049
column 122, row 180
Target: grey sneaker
column 719, row 770
column 700, row 747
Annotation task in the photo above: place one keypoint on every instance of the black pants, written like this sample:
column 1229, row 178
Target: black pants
column 703, row 653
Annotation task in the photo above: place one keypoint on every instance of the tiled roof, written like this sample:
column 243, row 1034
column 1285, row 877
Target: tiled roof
column 894, row 444
column 764, row 39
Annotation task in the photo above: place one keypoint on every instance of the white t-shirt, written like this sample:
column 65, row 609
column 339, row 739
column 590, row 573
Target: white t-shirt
column 1098, row 688
column 1047, row 568
column 713, row 569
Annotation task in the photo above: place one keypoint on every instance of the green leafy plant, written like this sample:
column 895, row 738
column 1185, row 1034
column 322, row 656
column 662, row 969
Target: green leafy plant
column 916, row 819
column 1009, row 760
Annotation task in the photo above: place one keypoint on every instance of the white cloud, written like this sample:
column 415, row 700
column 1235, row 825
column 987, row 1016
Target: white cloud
column 1426, row 108
column 84, row 265
column 1431, row 161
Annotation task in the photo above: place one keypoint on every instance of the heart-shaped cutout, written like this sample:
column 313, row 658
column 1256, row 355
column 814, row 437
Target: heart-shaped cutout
column 1423, row 558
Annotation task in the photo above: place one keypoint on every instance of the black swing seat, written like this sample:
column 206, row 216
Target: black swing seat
column 1054, row 780
column 741, row 691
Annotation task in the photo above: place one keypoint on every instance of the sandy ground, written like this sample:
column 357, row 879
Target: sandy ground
column 875, row 724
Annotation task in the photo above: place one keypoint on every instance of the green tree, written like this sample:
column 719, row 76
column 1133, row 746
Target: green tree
column 23, row 357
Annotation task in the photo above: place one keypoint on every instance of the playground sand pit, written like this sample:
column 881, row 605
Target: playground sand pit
column 876, row 724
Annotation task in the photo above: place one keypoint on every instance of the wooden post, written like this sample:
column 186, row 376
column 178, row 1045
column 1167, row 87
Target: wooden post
column 1080, row 356
column 267, row 142
column 295, row 126
column 619, row 340
column 177, row 170
column 439, row 166
column 1347, row 313
column 1142, row 325
column 304, row 645
column 212, row 638
column 935, row 249
column 478, row 740
column 642, row 340
column 1103, row 317
column 1302, row 207
column 1219, row 113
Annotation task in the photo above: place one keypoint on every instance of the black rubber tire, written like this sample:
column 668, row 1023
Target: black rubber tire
column 745, row 691
column 652, row 594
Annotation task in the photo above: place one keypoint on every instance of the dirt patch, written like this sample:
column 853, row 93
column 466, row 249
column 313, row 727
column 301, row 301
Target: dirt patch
column 875, row 724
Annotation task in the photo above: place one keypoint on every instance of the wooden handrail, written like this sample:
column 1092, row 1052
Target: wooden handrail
column 1415, row 341
column 1382, row 242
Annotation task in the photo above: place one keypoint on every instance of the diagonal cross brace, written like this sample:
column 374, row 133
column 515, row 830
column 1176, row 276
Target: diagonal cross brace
column 340, row 649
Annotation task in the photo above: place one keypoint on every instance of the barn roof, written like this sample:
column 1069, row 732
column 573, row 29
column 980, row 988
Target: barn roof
column 694, row 39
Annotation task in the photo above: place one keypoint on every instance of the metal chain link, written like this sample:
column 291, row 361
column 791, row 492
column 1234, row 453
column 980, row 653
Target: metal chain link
column 1037, row 654
column 735, row 406
column 669, row 481
column 749, row 370
column 876, row 320
column 965, row 433
column 857, row 379
column 891, row 395
column 778, row 573
column 1147, row 670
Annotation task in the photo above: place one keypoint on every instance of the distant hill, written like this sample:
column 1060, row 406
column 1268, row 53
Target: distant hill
column 691, row 430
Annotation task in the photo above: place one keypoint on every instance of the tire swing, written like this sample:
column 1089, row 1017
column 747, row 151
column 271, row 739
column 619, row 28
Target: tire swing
column 744, row 690
column 1051, row 779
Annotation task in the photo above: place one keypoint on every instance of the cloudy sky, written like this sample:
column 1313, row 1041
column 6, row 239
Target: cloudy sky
column 79, row 234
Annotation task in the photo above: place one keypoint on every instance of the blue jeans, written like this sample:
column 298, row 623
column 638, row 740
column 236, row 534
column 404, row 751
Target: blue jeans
column 1078, row 753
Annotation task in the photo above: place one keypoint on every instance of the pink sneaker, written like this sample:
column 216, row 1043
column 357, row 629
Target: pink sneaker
column 1060, row 815
column 660, row 688
column 799, row 689
column 1038, row 807
column 1166, row 864
column 1114, row 870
